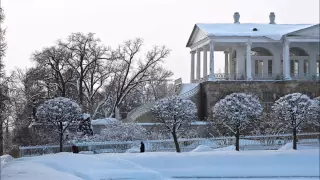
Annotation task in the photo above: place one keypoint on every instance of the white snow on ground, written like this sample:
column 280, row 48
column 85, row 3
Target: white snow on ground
column 133, row 150
column 304, row 162
column 188, row 87
column 289, row 146
column 104, row 121
column 202, row 148
column 228, row 148
column 68, row 166
column 5, row 159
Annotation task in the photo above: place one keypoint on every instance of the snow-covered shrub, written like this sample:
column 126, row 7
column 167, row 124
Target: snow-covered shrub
column 115, row 130
column 235, row 112
column 60, row 113
column 293, row 111
column 84, row 127
column 314, row 112
column 176, row 114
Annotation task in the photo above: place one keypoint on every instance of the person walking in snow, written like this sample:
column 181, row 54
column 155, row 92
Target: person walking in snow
column 142, row 148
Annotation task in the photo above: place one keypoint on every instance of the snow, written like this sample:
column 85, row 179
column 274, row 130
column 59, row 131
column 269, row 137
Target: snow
column 272, row 31
column 188, row 87
column 202, row 148
column 75, row 167
column 86, row 152
column 228, row 148
column 104, row 121
column 5, row 159
column 162, row 166
column 133, row 150
column 289, row 146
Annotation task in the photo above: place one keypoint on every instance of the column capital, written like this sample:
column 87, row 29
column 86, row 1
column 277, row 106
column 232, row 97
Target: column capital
column 249, row 43
column 198, row 50
column 192, row 52
column 286, row 42
column 226, row 52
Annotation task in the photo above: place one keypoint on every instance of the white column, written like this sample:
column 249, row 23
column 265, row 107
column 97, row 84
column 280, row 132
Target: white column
column 198, row 64
column 192, row 67
column 249, row 74
column 230, row 65
column 205, row 73
column 212, row 78
column 276, row 63
column 286, row 60
column 312, row 63
column 240, row 62
column 226, row 64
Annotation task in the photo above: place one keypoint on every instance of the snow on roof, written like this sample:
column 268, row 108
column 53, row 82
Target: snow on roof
column 104, row 121
column 272, row 31
column 188, row 87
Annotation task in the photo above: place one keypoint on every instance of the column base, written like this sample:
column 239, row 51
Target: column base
column 287, row 78
column 249, row 79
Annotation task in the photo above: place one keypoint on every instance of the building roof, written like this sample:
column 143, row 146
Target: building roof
column 272, row 31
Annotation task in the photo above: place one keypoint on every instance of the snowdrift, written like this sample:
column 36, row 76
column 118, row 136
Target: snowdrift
column 202, row 148
column 165, row 165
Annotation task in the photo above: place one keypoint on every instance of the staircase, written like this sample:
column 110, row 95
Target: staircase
column 187, row 91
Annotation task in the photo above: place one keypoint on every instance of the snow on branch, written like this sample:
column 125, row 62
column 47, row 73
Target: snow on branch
column 293, row 109
column 59, row 112
column 236, row 111
column 174, row 112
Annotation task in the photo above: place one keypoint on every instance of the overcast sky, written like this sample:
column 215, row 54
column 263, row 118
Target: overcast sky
column 33, row 24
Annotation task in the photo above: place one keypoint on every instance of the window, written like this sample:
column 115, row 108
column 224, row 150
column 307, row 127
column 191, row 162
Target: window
column 260, row 51
column 295, row 51
column 305, row 66
column 269, row 66
column 294, row 67
column 258, row 67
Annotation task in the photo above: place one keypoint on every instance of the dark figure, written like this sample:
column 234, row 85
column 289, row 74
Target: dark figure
column 142, row 148
column 75, row 149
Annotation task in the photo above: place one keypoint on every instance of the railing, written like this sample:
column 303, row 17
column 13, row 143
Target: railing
column 268, row 142
column 139, row 111
column 259, row 77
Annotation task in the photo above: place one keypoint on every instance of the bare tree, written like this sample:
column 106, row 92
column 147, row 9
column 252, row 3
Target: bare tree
column 133, row 71
column 54, row 59
column 86, row 52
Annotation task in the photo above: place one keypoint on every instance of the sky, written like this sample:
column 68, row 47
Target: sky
column 34, row 24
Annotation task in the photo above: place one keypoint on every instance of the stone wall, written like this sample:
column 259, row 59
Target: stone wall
column 267, row 91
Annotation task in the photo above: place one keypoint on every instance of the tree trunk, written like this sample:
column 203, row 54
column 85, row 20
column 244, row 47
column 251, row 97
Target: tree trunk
column 1, row 135
column 294, row 138
column 61, row 137
column 81, row 91
column 237, row 139
column 175, row 139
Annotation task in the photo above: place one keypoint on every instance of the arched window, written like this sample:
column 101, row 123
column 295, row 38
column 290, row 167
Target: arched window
column 260, row 51
column 296, row 51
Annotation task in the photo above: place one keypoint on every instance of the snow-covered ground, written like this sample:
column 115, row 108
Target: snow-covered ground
column 206, row 164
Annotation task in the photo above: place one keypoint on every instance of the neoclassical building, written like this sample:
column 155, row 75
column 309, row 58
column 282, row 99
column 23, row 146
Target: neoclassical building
column 269, row 60
column 255, row 51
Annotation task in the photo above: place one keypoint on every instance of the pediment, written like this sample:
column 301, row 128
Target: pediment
column 196, row 35
column 312, row 31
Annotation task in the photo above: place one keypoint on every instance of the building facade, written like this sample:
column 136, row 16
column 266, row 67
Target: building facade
column 255, row 51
